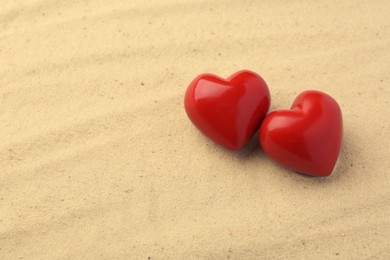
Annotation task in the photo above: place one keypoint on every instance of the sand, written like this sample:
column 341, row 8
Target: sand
column 99, row 160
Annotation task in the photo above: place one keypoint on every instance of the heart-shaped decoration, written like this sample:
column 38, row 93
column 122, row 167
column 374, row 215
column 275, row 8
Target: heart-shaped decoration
column 228, row 111
column 307, row 138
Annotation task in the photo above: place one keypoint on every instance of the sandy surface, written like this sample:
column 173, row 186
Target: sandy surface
column 99, row 161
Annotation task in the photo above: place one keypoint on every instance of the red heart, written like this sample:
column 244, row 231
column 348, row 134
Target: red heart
column 307, row 138
column 228, row 111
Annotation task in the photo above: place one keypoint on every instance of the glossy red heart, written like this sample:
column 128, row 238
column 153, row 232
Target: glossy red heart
column 307, row 138
column 228, row 111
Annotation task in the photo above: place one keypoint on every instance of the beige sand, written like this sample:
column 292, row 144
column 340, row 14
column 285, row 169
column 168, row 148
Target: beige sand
column 99, row 161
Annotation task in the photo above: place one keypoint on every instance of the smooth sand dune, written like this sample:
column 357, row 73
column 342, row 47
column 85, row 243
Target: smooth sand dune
column 98, row 159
